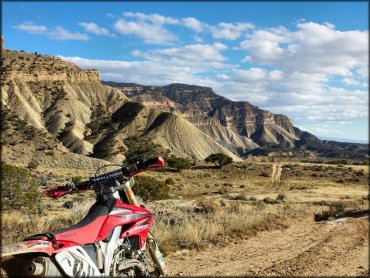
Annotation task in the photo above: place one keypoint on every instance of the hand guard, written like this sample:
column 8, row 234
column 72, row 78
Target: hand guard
column 56, row 192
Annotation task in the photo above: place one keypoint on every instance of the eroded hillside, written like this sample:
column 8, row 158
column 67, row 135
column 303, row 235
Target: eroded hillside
column 70, row 107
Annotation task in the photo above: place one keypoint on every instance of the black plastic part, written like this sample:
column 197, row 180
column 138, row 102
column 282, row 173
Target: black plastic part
column 103, row 206
column 90, row 250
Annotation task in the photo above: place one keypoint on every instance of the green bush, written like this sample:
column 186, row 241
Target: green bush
column 219, row 159
column 169, row 181
column 33, row 165
column 149, row 188
column 77, row 179
column 18, row 188
column 179, row 163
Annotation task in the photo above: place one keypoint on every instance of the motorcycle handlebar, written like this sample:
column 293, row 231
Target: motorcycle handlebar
column 126, row 172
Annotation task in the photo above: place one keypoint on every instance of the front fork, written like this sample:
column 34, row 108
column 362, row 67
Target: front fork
column 155, row 254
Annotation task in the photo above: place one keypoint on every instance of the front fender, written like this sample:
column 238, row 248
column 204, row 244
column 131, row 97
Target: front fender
column 30, row 246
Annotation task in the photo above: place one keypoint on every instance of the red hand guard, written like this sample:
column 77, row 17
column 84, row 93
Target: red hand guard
column 56, row 192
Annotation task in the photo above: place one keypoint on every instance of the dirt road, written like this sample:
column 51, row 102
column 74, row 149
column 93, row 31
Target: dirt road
column 276, row 174
column 335, row 248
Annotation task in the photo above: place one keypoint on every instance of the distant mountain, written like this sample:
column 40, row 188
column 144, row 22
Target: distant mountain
column 53, row 109
column 241, row 127
column 344, row 140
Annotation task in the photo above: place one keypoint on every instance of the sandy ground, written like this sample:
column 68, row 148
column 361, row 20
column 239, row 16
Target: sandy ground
column 306, row 248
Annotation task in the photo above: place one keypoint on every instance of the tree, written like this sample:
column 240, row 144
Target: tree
column 219, row 159
column 141, row 148
column 18, row 188
column 179, row 163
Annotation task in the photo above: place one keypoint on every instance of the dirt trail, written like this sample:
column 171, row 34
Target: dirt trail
column 276, row 174
column 336, row 248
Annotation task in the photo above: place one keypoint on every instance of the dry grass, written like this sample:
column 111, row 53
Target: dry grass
column 180, row 227
column 232, row 204
column 17, row 225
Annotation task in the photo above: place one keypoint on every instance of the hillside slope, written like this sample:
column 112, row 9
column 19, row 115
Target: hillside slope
column 241, row 127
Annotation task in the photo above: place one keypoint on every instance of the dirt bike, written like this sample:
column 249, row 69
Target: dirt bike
column 113, row 239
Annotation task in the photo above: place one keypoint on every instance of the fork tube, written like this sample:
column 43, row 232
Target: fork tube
column 130, row 194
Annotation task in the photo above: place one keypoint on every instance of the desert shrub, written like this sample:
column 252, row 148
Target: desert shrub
column 68, row 204
column 281, row 197
column 149, row 188
column 223, row 190
column 240, row 197
column 169, row 181
column 359, row 173
column 179, row 163
column 219, row 159
column 336, row 210
column 322, row 203
column 264, row 174
column 338, row 162
column 271, row 201
column 77, row 179
column 32, row 165
column 206, row 206
column 18, row 188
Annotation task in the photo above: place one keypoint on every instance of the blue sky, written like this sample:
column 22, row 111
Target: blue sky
column 307, row 60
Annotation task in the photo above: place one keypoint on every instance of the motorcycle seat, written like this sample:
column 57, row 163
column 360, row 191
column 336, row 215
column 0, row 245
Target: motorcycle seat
column 84, row 232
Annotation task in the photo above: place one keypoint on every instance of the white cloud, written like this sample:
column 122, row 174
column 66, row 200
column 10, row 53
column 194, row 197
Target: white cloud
column 194, row 24
column 142, row 72
column 313, row 48
column 95, row 29
column 57, row 33
column 150, row 33
column 62, row 34
column 197, row 57
column 156, row 19
column 31, row 28
column 230, row 31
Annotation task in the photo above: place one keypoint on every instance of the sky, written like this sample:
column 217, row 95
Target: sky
column 307, row 60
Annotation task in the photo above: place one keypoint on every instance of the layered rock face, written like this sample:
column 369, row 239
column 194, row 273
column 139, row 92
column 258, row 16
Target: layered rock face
column 56, row 96
column 239, row 125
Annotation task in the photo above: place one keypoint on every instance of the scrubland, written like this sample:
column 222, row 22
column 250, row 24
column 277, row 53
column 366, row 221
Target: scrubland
column 208, row 205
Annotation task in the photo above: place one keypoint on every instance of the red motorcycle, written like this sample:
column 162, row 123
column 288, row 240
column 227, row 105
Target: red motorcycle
column 113, row 239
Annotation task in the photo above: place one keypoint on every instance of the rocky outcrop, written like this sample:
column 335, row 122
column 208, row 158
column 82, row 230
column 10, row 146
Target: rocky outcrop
column 56, row 96
column 208, row 111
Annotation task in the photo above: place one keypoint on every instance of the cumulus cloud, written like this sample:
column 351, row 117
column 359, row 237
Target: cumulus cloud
column 156, row 19
column 313, row 48
column 57, row 33
column 230, row 31
column 95, row 29
column 150, row 33
column 31, row 28
column 194, row 24
column 142, row 72
column 197, row 57
column 62, row 34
